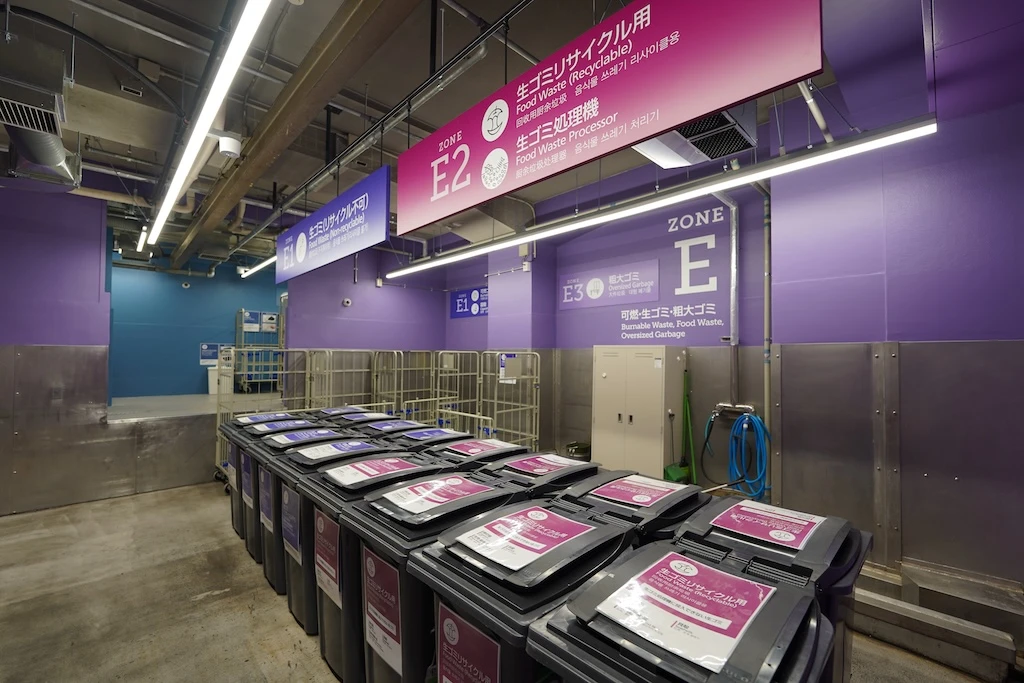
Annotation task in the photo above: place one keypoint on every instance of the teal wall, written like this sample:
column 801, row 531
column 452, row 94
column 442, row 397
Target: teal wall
column 157, row 325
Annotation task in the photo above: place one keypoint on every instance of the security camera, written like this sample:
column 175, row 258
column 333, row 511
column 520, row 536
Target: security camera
column 230, row 147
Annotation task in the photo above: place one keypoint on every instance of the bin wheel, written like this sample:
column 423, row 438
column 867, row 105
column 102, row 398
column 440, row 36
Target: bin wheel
column 227, row 490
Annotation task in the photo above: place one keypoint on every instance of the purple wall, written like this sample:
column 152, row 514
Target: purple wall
column 53, row 280
column 390, row 317
column 919, row 241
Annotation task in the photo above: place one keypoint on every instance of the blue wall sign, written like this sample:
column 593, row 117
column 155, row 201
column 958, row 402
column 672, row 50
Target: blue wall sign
column 208, row 353
column 468, row 303
column 250, row 321
column 354, row 220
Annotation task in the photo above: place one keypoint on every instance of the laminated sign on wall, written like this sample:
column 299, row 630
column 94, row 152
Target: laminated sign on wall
column 208, row 354
column 469, row 303
column 268, row 322
column 250, row 321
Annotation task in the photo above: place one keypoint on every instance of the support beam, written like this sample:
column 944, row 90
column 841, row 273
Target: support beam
column 351, row 38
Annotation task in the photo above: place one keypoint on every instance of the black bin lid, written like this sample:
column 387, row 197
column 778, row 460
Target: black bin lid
column 257, row 418
column 472, row 453
column 276, row 426
column 293, row 439
column 777, row 543
column 658, row 615
column 358, row 418
column 316, row 456
column 426, row 438
column 382, row 428
column 650, row 505
column 362, row 476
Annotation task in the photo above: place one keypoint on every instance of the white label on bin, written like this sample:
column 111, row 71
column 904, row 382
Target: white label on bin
column 383, row 602
column 328, row 574
column 428, row 495
column 637, row 490
column 356, row 472
column 688, row 608
column 516, row 540
column 329, row 450
column 788, row 528
column 285, row 424
column 306, row 435
column 263, row 417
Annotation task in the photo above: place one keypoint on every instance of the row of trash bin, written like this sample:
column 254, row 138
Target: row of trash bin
column 421, row 554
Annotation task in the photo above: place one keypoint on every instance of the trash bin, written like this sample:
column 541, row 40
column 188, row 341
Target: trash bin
column 394, row 522
column 337, row 573
column 292, row 513
column 579, row 450
column 275, row 439
column 418, row 440
column 502, row 570
column 383, row 428
column 211, row 381
column 354, row 419
column 237, row 437
column 661, row 615
column 771, row 542
column 471, row 452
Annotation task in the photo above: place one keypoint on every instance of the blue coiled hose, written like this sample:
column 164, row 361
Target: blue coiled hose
column 739, row 464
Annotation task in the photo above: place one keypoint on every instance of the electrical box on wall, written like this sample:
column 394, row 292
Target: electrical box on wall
column 638, row 407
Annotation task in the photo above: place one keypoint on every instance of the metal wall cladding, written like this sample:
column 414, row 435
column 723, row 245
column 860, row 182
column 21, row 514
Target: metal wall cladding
column 174, row 452
column 963, row 491
column 827, row 422
column 573, row 396
column 548, row 437
column 62, row 384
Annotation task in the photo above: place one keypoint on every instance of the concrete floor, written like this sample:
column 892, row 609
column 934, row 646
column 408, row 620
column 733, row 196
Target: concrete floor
column 157, row 587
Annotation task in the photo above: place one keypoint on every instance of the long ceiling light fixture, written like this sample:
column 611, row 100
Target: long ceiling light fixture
column 794, row 161
column 242, row 37
column 142, row 239
column 259, row 266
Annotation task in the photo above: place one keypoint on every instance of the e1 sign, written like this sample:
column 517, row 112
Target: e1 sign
column 356, row 219
column 469, row 303
column 652, row 66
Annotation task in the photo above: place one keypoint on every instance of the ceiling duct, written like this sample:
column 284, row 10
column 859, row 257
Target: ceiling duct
column 711, row 137
column 32, row 111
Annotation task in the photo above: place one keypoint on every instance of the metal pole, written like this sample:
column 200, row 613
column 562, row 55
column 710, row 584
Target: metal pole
column 767, row 350
column 327, row 138
column 433, row 37
column 734, row 296
column 815, row 110
column 74, row 16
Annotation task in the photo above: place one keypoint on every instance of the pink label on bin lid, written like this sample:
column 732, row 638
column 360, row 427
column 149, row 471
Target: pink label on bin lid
column 465, row 654
column 780, row 526
column 695, row 611
column 428, row 495
column 516, row 540
column 542, row 464
column 383, row 623
column 353, row 473
column 478, row 447
column 637, row 489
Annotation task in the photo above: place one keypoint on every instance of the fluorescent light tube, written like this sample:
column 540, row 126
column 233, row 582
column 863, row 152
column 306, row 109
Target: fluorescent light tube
column 142, row 240
column 796, row 161
column 259, row 266
column 242, row 37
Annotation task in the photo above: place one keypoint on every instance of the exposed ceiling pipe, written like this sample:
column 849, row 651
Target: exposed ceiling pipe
column 500, row 36
column 815, row 110
column 170, row 271
column 133, row 200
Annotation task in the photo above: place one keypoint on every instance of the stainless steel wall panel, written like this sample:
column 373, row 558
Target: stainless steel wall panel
column 828, row 408
column 60, row 384
column 6, row 464
column 963, row 491
column 59, row 464
column 8, row 369
column 573, row 396
column 547, row 426
column 175, row 452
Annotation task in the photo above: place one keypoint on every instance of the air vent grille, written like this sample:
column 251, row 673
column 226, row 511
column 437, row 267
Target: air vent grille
column 723, row 143
column 26, row 116
column 705, row 125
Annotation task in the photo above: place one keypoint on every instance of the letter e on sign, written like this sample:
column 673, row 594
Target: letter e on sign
column 687, row 266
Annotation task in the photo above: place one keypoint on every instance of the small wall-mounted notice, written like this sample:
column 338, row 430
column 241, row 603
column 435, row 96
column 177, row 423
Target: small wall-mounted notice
column 268, row 322
column 208, row 354
column 624, row 283
column 250, row 321
column 469, row 303
column 356, row 219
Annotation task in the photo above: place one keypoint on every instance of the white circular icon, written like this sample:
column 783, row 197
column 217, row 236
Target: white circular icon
column 320, row 524
column 641, row 498
column 390, row 460
column 205, row 347
column 495, row 120
column 453, row 481
column 451, row 631
column 538, row 515
column 300, row 248
column 286, row 496
column 779, row 535
column 475, row 309
column 371, row 568
column 682, row 567
column 495, row 168
column 595, row 288
column 474, row 295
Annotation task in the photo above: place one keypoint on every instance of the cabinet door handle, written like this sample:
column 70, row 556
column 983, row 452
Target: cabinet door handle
column 630, row 419
column 620, row 418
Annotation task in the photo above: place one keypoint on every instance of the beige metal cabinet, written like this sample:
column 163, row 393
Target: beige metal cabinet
column 637, row 407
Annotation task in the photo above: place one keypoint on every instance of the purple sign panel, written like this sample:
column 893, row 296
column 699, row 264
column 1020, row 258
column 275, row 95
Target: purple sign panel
column 247, row 479
column 695, row 611
column 619, row 284
column 356, row 219
column 465, row 654
column 468, row 303
column 607, row 90
column 382, row 595
column 516, row 540
column 266, row 500
column 328, row 573
column 290, row 502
